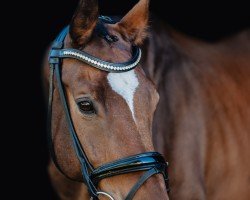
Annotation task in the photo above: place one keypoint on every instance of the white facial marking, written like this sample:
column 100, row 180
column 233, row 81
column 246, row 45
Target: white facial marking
column 125, row 84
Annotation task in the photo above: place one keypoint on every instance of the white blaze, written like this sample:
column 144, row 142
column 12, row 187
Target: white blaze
column 125, row 84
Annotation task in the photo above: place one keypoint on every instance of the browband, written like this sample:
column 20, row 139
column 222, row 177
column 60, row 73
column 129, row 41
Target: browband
column 91, row 60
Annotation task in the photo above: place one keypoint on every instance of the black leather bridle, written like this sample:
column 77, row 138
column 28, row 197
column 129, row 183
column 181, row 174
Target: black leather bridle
column 151, row 162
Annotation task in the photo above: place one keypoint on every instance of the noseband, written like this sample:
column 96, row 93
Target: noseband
column 150, row 162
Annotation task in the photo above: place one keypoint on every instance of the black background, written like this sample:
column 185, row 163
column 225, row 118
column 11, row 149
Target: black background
column 29, row 28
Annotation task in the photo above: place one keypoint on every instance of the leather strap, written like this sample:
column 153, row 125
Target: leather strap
column 139, row 162
column 57, row 44
column 49, row 118
column 86, row 166
column 141, row 181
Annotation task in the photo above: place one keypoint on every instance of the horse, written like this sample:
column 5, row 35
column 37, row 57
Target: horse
column 201, row 123
column 201, row 120
column 101, row 107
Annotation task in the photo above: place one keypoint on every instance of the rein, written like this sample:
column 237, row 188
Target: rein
column 150, row 162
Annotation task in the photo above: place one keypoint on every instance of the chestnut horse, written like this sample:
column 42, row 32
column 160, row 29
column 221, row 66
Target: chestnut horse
column 112, row 113
column 202, row 121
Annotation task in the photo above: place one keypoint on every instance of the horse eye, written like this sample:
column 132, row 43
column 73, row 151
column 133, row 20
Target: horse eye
column 86, row 106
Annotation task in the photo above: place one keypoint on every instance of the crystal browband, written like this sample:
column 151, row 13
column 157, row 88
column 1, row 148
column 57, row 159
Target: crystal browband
column 96, row 62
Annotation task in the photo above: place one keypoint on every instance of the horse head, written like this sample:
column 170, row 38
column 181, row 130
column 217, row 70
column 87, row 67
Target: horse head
column 111, row 112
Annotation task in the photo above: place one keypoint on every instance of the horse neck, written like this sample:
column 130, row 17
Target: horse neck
column 194, row 79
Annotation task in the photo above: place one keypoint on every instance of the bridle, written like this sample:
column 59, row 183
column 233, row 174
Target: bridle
column 151, row 162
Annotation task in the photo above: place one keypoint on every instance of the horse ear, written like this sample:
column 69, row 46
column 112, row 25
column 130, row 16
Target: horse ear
column 83, row 22
column 134, row 24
